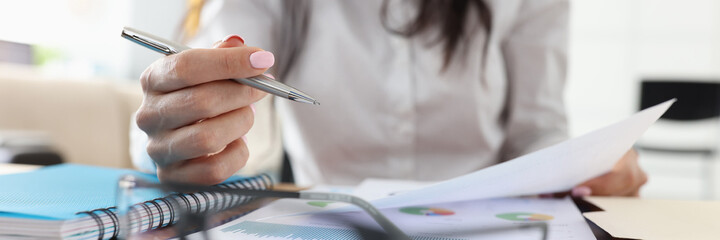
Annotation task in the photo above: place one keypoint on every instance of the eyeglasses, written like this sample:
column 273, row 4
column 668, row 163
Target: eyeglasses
column 181, row 213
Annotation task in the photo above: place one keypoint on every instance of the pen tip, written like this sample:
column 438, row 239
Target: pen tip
column 316, row 103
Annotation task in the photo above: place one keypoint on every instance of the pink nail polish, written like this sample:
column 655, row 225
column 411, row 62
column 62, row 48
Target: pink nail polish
column 252, row 107
column 581, row 191
column 262, row 59
column 244, row 138
column 233, row 36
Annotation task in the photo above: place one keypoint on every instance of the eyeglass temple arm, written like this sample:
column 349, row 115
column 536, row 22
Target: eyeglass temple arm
column 390, row 228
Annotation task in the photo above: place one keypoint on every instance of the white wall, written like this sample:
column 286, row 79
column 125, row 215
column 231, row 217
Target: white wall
column 615, row 43
column 83, row 34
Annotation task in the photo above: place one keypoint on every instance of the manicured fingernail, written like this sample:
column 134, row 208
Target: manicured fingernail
column 581, row 191
column 269, row 75
column 252, row 107
column 233, row 36
column 262, row 59
column 244, row 138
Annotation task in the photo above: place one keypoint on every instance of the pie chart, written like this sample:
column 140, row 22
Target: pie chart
column 524, row 216
column 427, row 211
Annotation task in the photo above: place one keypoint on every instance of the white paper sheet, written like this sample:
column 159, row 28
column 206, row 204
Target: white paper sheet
column 377, row 188
column 553, row 169
column 480, row 219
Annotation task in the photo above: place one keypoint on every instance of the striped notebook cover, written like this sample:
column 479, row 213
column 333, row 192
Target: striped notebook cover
column 66, row 202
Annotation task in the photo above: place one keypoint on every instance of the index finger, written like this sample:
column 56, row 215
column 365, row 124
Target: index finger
column 197, row 66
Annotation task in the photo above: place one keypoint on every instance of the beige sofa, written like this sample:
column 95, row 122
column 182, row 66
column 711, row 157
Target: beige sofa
column 88, row 120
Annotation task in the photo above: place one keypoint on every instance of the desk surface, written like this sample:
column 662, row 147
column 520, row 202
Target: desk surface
column 10, row 168
column 584, row 206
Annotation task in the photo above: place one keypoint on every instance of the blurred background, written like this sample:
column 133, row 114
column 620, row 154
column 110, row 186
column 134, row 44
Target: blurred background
column 623, row 54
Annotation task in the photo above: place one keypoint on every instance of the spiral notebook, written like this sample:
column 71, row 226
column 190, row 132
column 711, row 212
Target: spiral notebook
column 70, row 201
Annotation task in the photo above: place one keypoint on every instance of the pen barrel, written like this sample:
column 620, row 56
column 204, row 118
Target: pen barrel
column 276, row 88
column 261, row 82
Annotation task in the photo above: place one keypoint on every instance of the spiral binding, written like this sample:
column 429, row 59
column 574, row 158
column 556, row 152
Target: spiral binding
column 162, row 212
column 98, row 221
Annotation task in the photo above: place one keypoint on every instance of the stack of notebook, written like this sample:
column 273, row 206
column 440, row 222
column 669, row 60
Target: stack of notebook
column 77, row 202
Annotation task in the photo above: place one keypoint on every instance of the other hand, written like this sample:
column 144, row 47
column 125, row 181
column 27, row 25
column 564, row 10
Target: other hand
column 625, row 179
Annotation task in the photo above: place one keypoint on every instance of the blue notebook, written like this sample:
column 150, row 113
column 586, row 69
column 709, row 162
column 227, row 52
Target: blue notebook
column 61, row 191
column 65, row 192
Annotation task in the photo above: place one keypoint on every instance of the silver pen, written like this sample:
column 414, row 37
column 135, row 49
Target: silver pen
column 261, row 82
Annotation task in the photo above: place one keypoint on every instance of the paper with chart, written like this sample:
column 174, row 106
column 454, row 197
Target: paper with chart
column 504, row 218
column 487, row 219
column 554, row 169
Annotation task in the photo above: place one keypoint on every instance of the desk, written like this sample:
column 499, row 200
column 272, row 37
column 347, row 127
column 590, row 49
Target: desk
column 582, row 205
column 585, row 206
column 10, row 168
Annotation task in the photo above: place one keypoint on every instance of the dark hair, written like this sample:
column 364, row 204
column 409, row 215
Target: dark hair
column 293, row 33
column 447, row 15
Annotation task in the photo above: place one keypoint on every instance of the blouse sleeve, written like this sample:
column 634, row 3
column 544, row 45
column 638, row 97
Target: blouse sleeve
column 535, row 53
column 255, row 21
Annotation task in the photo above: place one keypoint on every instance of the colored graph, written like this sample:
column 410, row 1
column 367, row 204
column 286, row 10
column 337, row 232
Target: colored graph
column 524, row 216
column 321, row 204
column 427, row 211
column 262, row 230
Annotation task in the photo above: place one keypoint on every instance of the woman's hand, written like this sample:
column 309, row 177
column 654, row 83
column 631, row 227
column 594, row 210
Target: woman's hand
column 194, row 117
column 625, row 179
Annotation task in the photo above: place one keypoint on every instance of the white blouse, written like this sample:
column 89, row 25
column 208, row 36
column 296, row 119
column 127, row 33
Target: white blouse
column 388, row 110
